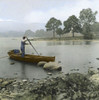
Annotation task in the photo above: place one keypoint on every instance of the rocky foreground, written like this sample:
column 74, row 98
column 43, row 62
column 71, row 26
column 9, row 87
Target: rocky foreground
column 74, row 86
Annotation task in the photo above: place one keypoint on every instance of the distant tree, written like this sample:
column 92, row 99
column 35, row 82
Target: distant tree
column 29, row 32
column 41, row 31
column 87, row 18
column 59, row 32
column 87, row 31
column 52, row 25
column 95, row 28
column 72, row 24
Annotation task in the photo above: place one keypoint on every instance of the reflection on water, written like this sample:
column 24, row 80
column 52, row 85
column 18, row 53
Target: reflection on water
column 69, row 42
column 87, row 42
column 54, row 43
column 23, row 68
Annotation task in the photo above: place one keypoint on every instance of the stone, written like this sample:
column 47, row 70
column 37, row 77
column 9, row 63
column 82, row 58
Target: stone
column 4, row 84
column 74, row 69
column 24, row 80
column 74, row 97
column 79, row 93
column 97, row 58
column 49, row 73
column 97, row 68
column 15, row 73
column 59, row 61
column 95, row 78
column 12, row 63
column 91, row 72
column 3, row 89
column 41, row 63
column 5, row 99
column 1, row 80
column 52, row 66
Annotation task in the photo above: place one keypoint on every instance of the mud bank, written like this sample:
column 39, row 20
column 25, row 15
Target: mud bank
column 74, row 86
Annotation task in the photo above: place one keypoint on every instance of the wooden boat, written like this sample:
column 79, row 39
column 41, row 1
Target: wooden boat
column 29, row 58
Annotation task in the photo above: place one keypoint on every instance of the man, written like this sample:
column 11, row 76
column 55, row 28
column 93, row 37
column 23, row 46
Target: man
column 23, row 43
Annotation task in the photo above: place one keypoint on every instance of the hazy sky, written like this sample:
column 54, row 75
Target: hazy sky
column 40, row 11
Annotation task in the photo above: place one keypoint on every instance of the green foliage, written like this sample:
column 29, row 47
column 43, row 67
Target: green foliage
column 28, row 32
column 87, row 31
column 52, row 25
column 72, row 24
column 87, row 18
column 59, row 31
column 95, row 28
column 42, row 33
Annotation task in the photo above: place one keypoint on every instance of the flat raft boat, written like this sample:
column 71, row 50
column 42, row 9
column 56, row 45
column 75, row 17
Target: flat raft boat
column 29, row 58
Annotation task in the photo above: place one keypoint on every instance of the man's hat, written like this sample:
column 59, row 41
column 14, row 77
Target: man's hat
column 24, row 37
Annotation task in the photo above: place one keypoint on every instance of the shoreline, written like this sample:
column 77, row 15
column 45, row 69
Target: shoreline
column 54, row 39
column 73, row 86
column 63, row 39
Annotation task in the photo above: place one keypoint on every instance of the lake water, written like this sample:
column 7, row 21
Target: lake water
column 75, row 56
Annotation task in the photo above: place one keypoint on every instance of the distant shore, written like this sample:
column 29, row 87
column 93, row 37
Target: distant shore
column 63, row 39
column 77, row 38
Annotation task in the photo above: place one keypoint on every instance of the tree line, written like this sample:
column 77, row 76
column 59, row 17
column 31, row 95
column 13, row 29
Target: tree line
column 83, row 24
